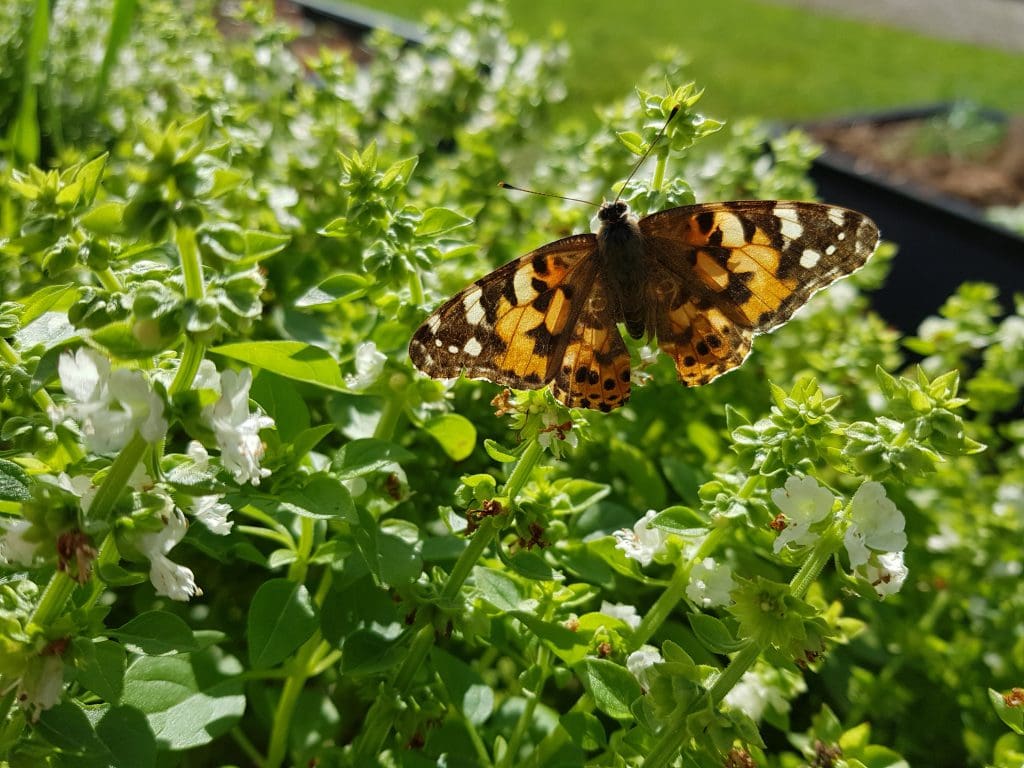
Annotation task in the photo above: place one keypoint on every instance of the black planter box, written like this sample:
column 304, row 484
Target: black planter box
column 942, row 242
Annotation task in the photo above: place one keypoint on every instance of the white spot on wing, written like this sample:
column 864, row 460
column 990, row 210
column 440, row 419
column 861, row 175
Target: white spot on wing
column 438, row 343
column 830, row 250
column 809, row 259
column 523, row 284
column 453, row 349
column 790, row 227
column 472, row 347
column 837, row 215
column 433, row 323
column 472, row 307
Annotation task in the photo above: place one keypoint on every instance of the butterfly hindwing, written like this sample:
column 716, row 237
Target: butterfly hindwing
column 594, row 368
column 510, row 326
column 723, row 272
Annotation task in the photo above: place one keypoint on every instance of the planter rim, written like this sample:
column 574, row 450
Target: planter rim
column 845, row 163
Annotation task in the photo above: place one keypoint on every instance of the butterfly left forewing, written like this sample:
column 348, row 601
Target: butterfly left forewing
column 510, row 326
column 722, row 272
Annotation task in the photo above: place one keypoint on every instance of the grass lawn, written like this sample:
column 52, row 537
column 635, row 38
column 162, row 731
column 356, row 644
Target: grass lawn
column 757, row 58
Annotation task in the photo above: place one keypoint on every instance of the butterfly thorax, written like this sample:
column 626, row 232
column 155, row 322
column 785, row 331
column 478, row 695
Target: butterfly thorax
column 621, row 252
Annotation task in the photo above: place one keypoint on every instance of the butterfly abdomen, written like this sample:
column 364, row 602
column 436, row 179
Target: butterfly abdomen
column 621, row 253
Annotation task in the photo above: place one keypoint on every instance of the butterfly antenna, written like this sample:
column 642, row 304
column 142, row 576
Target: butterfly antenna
column 505, row 185
column 650, row 148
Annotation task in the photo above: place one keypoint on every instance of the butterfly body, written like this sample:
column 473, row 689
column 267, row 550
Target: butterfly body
column 701, row 279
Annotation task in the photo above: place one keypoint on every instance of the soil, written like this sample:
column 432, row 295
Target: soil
column 982, row 165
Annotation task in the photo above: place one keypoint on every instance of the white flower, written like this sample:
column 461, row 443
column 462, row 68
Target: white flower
column 14, row 547
column 111, row 406
column 643, row 542
column 626, row 613
column 875, row 523
column 804, row 503
column 237, row 430
column 640, row 662
column 369, row 366
column 710, row 583
column 753, row 694
column 41, row 684
column 213, row 513
column 885, row 572
column 170, row 579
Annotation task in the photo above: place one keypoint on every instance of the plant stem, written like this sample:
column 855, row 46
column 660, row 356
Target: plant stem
column 675, row 734
column 300, row 670
column 381, row 716
column 522, row 470
column 117, row 478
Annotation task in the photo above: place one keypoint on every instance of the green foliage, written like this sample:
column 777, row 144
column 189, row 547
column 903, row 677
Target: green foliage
column 209, row 281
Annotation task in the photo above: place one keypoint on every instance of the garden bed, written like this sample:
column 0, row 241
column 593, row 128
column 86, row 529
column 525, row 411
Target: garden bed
column 927, row 176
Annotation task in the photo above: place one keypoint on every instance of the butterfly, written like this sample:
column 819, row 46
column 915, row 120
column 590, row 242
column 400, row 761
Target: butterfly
column 701, row 279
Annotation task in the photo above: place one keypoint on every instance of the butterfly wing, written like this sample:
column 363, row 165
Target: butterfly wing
column 509, row 326
column 594, row 368
column 721, row 273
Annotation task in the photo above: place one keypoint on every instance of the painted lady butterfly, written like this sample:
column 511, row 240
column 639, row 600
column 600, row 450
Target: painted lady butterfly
column 702, row 279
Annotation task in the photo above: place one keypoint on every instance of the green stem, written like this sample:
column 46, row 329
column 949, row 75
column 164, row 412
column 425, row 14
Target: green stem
column 416, row 288
column 482, row 539
column 522, row 470
column 823, row 550
column 55, row 597
column 300, row 671
column 542, row 663
column 675, row 734
column 663, row 606
column 117, row 478
column 658, row 179
column 108, row 279
column 393, row 407
column 381, row 716
column 191, row 262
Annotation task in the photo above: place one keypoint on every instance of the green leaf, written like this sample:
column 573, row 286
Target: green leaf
column 100, row 667
column 454, row 433
column 189, row 699
column 368, row 653
column 585, row 730
column 683, row 478
column 154, row 633
column 281, row 618
column 637, row 466
column 496, row 588
column 527, row 564
column 437, row 221
column 399, row 173
column 559, row 637
column 291, row 359
column 680, row 520
column 14, row 482
column 51, row 298
column 344, row 286
column 614, row 689
column 498, row 452
column 127, row 736
column 280, row 399
column 472, row 697
column 1012, row 716
column 361, row 457
column 104, row 219
column 713, row 633
column 322, row 497
column 399, row 561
